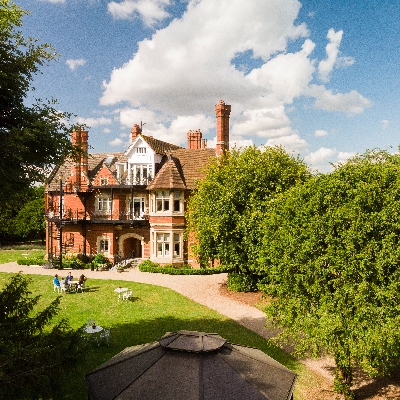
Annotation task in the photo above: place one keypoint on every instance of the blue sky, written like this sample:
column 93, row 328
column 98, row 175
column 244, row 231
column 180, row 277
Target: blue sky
column 320, row 78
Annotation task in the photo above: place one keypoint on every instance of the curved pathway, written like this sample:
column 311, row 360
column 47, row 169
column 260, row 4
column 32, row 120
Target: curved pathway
column 203, row 289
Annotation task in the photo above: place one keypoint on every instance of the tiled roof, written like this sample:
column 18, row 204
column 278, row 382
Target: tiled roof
column 169, row 176
column 181, row 171
column 193, row 163
column 95, row 162
column 158, row 146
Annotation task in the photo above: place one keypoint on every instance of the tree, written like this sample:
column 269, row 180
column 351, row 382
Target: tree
column 224, row 211
column 30, row 221
column 34, row 138
column 331, row 258
column 32, row 354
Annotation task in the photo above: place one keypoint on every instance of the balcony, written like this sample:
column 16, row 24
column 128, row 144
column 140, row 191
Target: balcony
column 71, row 217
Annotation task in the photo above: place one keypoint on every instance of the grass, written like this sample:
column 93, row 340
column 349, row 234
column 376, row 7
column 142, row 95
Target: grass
column 7, row 256
column 151, row 313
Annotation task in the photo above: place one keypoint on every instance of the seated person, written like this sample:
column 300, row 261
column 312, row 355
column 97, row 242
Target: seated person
column 68, row 278
column 82, row 279
column 56, row 283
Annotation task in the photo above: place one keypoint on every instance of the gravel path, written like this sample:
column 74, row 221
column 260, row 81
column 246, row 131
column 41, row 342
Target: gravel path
column 203, row 289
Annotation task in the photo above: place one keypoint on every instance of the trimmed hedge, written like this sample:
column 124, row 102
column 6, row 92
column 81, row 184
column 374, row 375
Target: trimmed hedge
column 31, row 261
column 149, row 266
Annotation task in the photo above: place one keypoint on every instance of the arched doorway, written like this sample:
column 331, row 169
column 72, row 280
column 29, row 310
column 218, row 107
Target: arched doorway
column 131, row 245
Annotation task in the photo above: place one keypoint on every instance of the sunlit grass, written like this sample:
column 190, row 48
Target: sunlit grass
column 152, row 312
column 7, row 256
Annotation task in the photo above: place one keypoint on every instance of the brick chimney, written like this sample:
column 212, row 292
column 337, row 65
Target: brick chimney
column 135, row 131
column 222, row 112
column 79, row 170
column 194, row 139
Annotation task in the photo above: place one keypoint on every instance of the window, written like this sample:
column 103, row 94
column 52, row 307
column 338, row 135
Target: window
column 136, row 207
column 103, row 181
column 177, row 201
column 141, row 150
column 163, row 243
column 104, row 203
column 140, row 174
column 177, row 245
column 103, row 245
column 162, row 201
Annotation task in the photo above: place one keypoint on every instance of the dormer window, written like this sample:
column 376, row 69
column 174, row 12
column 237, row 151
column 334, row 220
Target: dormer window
column 141, row 150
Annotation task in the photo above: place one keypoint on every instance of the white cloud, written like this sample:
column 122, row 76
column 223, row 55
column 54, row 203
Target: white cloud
column 351, row 102
column 187, row 66
column 385, row 123
column 318, row 157
column 116, row 142
column 291, row 143
column 320, row 133
column 92, row 122
column 73, row 64
column 333, row 58
column 345, row 155
column 150, row 11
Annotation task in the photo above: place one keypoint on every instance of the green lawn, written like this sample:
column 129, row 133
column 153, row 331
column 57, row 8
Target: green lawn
column 152, row 312
column 7, row 256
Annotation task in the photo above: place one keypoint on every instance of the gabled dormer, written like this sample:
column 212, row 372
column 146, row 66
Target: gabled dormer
column 144, row 155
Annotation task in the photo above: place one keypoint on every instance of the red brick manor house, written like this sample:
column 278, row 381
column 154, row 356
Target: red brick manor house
column 131, row 204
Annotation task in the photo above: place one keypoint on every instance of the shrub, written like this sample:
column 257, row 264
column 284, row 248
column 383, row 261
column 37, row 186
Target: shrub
column 31, row 261
column 101, row 259
column 149, row 266
column 72, row 261
column 242, row 283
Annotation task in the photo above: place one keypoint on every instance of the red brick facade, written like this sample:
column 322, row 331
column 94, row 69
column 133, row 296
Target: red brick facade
column 131, row 204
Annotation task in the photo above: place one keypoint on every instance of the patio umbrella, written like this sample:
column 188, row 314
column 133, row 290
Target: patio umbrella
column 189, row 365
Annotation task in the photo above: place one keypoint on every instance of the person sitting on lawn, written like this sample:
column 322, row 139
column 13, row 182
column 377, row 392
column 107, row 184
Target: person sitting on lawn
column 68, row 278
column 81, row 282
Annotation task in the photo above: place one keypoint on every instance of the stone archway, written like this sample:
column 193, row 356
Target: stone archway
column 130, row 245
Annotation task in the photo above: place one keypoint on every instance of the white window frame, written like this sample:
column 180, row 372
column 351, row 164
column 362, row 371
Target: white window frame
column 103, row 204
column 131, row 207
column 103, row 245
column 163, row 244
column 162, row 201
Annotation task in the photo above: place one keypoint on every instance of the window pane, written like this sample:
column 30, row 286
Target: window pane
column 159, row 205
column 176, row 237
column 159, row 249
column 166, row 249
column 159, row 195
column 160, row 237
column 166, row 205
column 177, row 195
column 166, row 237
column 176, row 249
column 177, row 204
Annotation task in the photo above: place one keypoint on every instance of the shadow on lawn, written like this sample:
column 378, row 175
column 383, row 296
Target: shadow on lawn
column 145, row 331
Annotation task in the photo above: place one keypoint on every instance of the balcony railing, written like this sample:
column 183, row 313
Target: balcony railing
column 75, row 216
column 136, row 181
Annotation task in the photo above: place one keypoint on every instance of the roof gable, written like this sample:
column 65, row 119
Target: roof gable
column 169, row 177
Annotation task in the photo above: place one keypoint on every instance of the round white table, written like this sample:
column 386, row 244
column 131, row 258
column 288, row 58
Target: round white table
column 120, row 290
column 90, row 329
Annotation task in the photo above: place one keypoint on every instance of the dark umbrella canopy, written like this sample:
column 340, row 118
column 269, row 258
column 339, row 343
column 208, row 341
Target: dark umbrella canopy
column 188, row 365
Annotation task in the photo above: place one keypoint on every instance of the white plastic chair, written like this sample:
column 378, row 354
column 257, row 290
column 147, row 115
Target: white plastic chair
column 126, row 295
column 105, row 336
column 80, row 287
column 63, row 288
